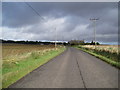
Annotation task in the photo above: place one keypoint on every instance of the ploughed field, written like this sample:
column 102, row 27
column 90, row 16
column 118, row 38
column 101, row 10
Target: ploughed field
column 15, row 52
column 20, row 59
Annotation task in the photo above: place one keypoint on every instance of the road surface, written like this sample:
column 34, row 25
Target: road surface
column 71, row 69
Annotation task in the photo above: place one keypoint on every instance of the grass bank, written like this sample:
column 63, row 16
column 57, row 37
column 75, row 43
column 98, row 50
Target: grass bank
column 14, row 71
column 111, row 58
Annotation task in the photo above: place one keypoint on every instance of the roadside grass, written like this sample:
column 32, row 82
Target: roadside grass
column 13, row 71
column 111, row 58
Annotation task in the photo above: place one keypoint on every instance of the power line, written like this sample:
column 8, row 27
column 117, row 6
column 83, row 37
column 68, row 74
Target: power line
column 34, row 10
column 94, row 21
column 43, row 19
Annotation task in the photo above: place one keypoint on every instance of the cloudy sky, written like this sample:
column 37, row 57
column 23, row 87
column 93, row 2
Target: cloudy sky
column 66, row 20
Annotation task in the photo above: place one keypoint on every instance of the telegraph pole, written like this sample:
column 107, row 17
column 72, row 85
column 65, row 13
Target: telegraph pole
column 94, row 23
column 55, row 38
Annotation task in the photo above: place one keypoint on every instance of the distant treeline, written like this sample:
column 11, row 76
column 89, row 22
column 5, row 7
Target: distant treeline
column 82, row 42
column 32, row 42
column 72, row 42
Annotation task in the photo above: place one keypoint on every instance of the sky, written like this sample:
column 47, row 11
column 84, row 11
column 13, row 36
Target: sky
column 60, row 21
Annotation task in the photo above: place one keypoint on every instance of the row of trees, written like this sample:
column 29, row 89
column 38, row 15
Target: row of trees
column 81, row 42
column 32, row 42
column 72, row 42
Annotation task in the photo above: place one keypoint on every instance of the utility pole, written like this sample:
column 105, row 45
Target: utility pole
column 94, row 23
column 62, row 40
column 55, row 38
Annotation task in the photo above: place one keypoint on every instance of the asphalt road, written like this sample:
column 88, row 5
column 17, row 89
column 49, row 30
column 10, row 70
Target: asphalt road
column 71, row 69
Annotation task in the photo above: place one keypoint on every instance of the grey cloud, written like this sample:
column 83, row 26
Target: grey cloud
column 17, row 15
column 20, row 14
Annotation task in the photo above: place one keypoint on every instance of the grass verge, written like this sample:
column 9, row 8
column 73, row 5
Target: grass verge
column 96, row 53
column 14, row 72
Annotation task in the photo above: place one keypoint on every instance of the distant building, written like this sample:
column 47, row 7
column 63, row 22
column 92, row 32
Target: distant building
column 76, row 42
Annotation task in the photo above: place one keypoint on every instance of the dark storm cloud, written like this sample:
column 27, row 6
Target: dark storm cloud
column 20, row 14
column 17, row 15
column 71, row 19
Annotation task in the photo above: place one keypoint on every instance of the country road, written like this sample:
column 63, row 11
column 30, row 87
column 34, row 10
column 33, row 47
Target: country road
column 71, row 69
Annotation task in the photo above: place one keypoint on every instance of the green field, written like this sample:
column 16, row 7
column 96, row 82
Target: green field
column 108, row 53
column 21, row 59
